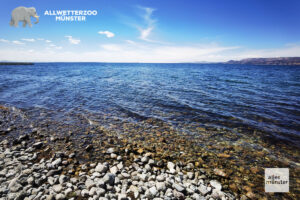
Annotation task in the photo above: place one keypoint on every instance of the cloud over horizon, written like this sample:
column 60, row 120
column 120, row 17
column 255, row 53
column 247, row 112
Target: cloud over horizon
column 72, row 40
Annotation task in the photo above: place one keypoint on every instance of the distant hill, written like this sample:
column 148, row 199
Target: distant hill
column 268, row 61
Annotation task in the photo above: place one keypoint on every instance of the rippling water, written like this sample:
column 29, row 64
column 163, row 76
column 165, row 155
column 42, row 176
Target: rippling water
column 265, row 98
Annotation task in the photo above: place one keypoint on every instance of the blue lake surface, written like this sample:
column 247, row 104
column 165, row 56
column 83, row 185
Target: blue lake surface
column 264, row 98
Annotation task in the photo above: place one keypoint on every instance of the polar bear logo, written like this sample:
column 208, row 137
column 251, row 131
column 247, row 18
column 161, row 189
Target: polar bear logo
column 23, row 14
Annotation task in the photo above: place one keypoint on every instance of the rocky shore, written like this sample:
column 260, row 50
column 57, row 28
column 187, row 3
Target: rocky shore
column 42, row 158
column 27, row 174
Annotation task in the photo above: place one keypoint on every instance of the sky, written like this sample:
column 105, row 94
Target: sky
column 157, row 31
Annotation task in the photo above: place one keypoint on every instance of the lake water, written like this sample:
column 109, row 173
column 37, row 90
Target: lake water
column 244, row 97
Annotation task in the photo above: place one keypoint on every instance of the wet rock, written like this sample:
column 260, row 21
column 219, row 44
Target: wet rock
column 220, row 172
column 109, row 178
column 38, row 145
column 110, row 150
column 89, row 147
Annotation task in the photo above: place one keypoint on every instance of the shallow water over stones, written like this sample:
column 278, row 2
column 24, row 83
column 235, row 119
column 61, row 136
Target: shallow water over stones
column 233, row 159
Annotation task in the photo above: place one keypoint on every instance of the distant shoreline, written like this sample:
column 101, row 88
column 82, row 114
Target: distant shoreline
column 16, row 63
column 287, row 61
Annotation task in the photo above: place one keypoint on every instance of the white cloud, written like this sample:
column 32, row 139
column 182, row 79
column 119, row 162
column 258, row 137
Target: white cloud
column 72, row 40
column 130, row 42
column 28, row 40
column 40, row 39
column 107, row 34
column 17, row 42
column 48, row 41
column 145, row 32
column 53, row 46
column 3, row 40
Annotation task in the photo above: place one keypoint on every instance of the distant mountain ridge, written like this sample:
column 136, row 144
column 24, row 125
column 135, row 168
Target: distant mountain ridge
column 268, row 61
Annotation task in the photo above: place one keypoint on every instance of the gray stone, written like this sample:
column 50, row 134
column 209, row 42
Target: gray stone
column 160, row 178
column 119, row 158
column 100, row 191
column 145, row 159
column 153, row 191
column 53, row 172
column 217, row 194
column 113, row 170
column 161, row 186
column 68, row 191
column 110, row 150
column 101, row 168
column 50, row 197
column 122, row 197
column 60, row 196
column 125, row 175
column 93, row 191
column 20, row 195
column 30, row 180
column 143, row 177
column 120, row 166
column 52, row 180
column 113, row 155
column 196, row 196
column 190, row 175
column 178, row 187
column 56, row 162
column 37, row 145
column 109, row 178
column 89, row 183
column 203, row 189
column 215, row 184
column 15, row 187
column 135, row 191
column 63, row 179
column 84, row 193
column 170, row 165
column 178, row 195
column 57, row 188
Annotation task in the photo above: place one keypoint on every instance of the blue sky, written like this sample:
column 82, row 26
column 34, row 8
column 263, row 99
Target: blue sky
column 154, row 31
